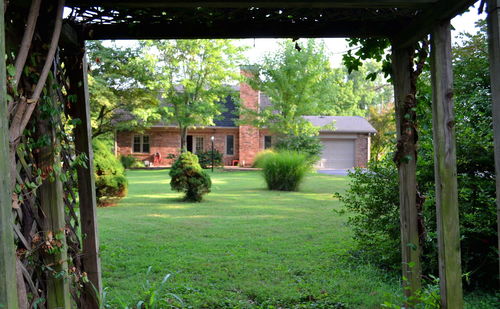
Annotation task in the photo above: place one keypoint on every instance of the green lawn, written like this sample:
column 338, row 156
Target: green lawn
column 243, row 247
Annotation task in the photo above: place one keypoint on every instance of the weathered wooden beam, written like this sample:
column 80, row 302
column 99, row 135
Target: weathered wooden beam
column 410, row 245
column 445, row 168
column 8, row 281
column 494, row 53
column 52, row 205
column 235, row 29
column 422, row 25
column 76, row 64
column 254, row 3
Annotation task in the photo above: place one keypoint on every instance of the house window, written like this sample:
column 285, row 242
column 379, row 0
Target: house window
column 141, row 143
column 230, row 145
column 199, row 144
column 268, row 142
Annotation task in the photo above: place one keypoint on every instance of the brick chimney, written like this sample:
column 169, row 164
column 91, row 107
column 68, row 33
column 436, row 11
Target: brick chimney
column 249, row 135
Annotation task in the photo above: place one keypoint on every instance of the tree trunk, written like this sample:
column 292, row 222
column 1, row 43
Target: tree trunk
column 183, row 138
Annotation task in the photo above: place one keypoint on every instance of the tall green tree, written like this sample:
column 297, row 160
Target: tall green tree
column 300, row 80
column 297, row 83
column 194, row 76
column 122, row 88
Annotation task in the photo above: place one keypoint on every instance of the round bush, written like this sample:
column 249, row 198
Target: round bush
column 110, row 180
column 284, row 170
column 187, row 176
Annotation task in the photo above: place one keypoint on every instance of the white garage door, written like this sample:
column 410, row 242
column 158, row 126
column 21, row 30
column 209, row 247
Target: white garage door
column 338, row 153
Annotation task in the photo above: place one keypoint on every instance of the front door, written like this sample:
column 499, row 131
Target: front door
column 189, row 142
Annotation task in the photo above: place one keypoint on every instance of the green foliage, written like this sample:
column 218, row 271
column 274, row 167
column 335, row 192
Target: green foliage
column 258, row 162
column 372, row 202
column 309, row 145
column 370, row 48
column 123, row 93
column 205, row 158
column 296, row 83
column 154, row 295
column 475, row 161
column 285, row 170
column 374, row 208
column 110, row 181
column 188, row 177
column 383, row 120
column 131, row 162
column 194, row 76
column 427, row 298
column 301, row 83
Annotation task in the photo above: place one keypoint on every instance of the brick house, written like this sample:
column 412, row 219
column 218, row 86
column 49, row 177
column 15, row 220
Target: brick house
column 346, row 147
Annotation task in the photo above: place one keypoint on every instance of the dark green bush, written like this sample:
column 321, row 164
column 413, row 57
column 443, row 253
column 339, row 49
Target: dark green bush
column 372, row 202
column 284, row 170
column 310, row 145
column 187, row 176
column 205, row 158
column 372, row 197
column 131, row 162
column 110, row 180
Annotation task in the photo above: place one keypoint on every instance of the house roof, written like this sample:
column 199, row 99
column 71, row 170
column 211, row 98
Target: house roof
column 342, row 124
column 229, row 116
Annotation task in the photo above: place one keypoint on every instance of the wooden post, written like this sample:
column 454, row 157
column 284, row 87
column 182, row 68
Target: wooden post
column 445, row 168
column 494, row 51
column 80, row 108
column 52, row 205
column 410, row 246
column 8, row 282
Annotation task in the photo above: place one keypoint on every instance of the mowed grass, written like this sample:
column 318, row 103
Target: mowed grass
column 242, row 247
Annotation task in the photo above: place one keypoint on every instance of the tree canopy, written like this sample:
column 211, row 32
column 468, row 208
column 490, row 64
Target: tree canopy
column 123, row 93
column 194, row 76
column 300, row 81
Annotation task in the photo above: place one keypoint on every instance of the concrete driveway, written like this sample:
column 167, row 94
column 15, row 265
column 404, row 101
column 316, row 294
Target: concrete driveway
column 333, row 172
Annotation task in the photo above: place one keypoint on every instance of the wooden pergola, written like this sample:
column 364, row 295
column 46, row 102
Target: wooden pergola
column 404, row 22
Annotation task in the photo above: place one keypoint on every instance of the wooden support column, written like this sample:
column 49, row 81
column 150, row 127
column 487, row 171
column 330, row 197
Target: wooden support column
column 410, row 246
column 76, row 63
column 494, row 51
column 445, row 168
column 8, row 282
column 52, row 205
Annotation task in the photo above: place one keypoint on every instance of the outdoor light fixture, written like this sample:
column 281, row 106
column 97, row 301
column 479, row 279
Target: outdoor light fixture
column 212, row 139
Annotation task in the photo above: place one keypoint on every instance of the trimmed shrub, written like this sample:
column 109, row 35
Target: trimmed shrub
column 284, row 170
column 187, row 176
column 110, row 180
column 131, row 162
column 310, row 145
column 205, row 158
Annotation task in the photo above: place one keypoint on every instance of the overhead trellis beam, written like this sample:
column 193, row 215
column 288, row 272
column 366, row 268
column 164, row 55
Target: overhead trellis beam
column 257, row 3
column 424, row 23
column 494, row 53
column 8, row 282
column 238, row 30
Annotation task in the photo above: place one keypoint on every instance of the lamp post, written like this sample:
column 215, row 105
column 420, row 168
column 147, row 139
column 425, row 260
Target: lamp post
column 212, row 139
